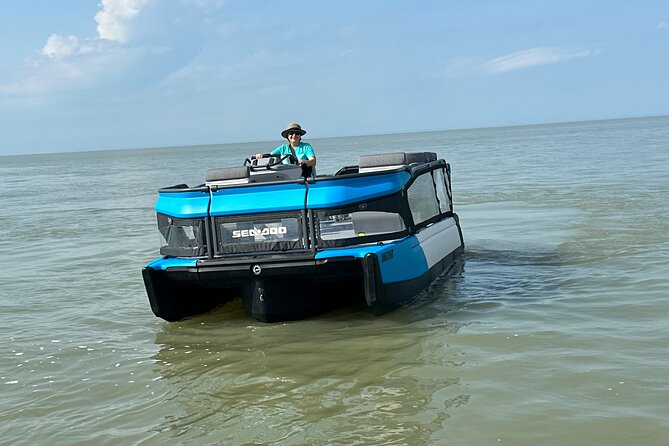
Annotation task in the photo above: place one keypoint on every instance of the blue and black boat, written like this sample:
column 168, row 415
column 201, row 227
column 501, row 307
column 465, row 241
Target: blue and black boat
column 291, row 247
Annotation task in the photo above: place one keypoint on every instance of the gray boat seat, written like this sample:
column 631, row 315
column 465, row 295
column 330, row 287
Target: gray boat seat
column 227, row 176
column 389, row 161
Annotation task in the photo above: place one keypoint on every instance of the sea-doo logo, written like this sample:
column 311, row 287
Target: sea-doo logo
column 255, row 232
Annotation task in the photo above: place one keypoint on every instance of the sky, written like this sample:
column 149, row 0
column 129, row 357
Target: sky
column 114, row 74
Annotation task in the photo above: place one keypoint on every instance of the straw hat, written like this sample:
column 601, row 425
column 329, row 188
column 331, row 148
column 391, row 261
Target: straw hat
column 293, row 127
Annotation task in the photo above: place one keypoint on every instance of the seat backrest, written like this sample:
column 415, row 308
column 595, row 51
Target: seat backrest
column 389, row 161
column 227, row 176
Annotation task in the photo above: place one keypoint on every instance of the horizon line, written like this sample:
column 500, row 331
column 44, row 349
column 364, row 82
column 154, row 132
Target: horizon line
column 341, row 136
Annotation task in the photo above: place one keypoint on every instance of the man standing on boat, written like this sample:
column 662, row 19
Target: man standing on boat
column 302, row 151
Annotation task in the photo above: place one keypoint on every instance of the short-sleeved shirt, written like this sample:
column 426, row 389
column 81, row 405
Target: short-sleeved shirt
column 303, row 151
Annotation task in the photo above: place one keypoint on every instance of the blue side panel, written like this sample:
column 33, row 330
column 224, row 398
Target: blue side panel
column 399, row 261
column 261, row 198
column 340, row 191
column 327, row 193
column 190, row 204
column 406, row 262
column 165, row 263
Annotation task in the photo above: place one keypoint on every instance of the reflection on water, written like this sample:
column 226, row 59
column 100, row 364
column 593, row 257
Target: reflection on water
column 347, row 376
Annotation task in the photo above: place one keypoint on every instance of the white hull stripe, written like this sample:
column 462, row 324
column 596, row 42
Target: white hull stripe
column 439, row 240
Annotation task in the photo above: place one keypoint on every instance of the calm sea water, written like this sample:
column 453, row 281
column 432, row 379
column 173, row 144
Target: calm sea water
column 553, row 330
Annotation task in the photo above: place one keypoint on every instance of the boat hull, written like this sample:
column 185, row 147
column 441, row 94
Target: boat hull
column 289, row 287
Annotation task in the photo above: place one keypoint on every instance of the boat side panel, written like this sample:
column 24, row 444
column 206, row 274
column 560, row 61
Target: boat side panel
column 405, row 261
column 258, row 199
column 439, row 240
column 342, row 191
column 394, row 295
column 412, row 257
column 398, row 261
column 191, row 204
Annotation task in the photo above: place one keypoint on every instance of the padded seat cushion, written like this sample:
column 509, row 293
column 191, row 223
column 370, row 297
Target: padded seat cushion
column 227, row 173
column 395, row 159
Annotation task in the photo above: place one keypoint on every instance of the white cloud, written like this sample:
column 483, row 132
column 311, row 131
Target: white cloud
column 534, row 57
column 662, row 25
column 135, row 45
column 58, row 46
column 114, row 20
column 115, row 17
column 87, row 67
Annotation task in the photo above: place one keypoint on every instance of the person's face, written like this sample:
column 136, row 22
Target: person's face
column 294, row 137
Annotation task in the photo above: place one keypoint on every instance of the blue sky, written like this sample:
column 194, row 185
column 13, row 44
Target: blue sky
column 88, row 75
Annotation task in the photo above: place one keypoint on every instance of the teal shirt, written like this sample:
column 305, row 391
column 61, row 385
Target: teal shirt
column 304, row 151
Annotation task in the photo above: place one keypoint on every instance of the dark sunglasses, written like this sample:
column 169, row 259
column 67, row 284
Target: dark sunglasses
column 294, row 133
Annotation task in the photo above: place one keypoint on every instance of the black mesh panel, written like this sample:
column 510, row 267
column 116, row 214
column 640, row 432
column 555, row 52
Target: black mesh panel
column 181, row 237
column 260, row 233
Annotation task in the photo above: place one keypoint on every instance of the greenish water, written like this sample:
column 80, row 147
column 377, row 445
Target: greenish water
column 553, row 330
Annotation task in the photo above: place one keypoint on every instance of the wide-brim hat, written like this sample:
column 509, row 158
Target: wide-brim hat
column 293, row 127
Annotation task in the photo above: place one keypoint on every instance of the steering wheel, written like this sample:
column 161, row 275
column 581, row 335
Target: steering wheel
column 290, row 157
column 249, row 161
